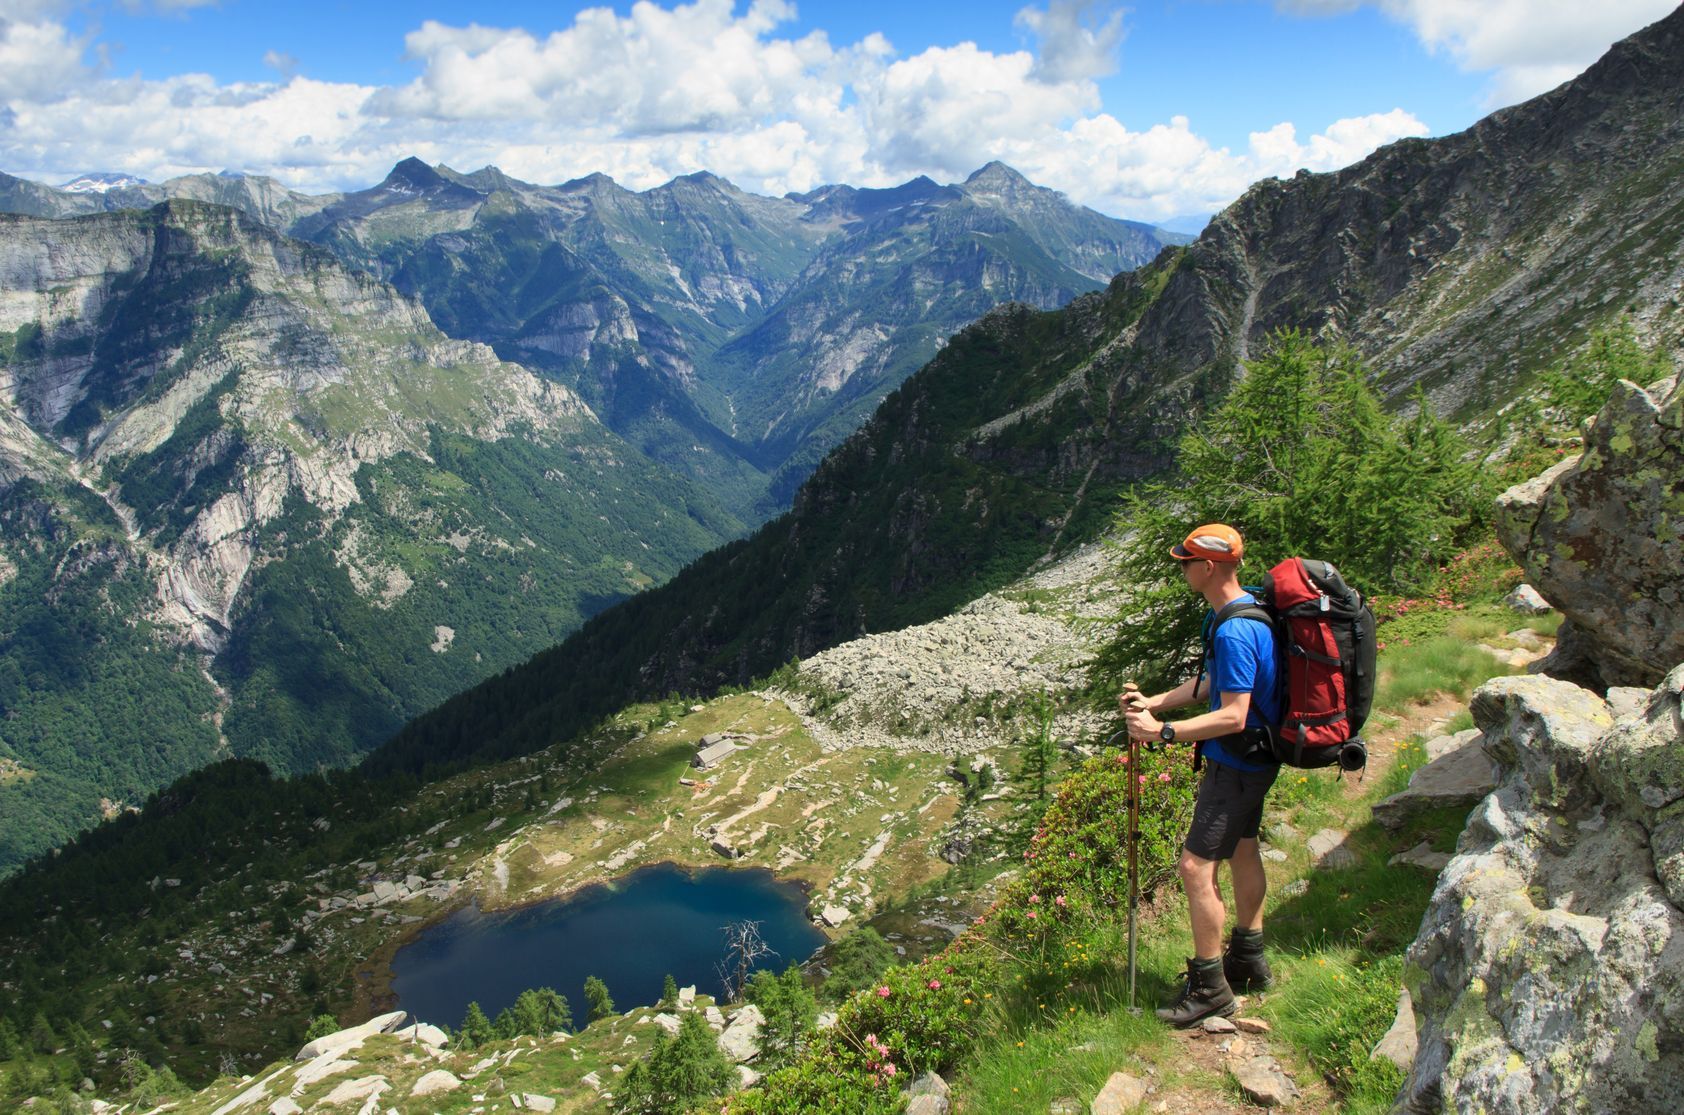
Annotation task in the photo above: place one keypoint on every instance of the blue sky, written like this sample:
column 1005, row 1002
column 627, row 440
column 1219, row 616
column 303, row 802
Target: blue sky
column 1143, row 110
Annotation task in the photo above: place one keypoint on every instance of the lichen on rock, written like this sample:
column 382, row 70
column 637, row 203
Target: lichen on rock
column 1549, row 971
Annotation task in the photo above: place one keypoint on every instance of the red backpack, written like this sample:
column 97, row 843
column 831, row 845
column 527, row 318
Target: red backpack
column 1325, row 652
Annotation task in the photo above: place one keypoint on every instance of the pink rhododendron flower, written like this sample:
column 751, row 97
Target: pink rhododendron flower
column 935, row 985
column 883, row 992
column 1164, row 777
column 1059, row 901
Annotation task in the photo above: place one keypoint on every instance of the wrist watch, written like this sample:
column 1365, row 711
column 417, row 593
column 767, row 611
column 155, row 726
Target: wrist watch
column 1167, row 733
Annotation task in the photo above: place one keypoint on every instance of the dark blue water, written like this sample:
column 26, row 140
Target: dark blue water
column 628, row 933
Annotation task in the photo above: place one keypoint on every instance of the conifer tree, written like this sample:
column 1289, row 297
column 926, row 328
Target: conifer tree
column 476, row 1028
column 678, row 1073
column 790, row 1012
column 597, row 999
column 669, row 991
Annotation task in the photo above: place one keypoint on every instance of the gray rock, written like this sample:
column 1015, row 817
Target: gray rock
column 543, row 1104
column 1399, row 1043
column 592, row 1079
column 1600, row 535
column 1263, row 1081
column 669, row 1023
column 1458, row 777
column 284, row 1106
column 834, row 915
column 1526, row 600
column 741, row 1039
column 342, row 1041
column 1422, row 856
column 1215, row 1025
column 1327, row 849
column 687, row 996
column 927, row 1105
column 1274, row 855
column 1549, row 971
column 930, row 1084
column 747, row 1077
column 1122, row 1093
column 1065, row 1106
column 435, row 1082
column 1251, row 1025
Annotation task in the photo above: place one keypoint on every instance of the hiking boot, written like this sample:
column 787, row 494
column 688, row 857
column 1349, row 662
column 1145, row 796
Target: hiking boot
column 1243, row 961
column 1206, row 994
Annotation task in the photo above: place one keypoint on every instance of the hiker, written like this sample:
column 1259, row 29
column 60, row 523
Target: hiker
column 1241, row 675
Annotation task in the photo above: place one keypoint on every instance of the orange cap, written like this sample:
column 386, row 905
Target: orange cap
column 1212, row 542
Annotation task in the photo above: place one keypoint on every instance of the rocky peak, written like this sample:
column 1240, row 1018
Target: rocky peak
column 412, row 176
column 996, row 180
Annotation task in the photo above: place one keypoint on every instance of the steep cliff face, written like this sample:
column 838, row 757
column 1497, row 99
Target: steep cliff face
column 228, row 461
column 1461, row 265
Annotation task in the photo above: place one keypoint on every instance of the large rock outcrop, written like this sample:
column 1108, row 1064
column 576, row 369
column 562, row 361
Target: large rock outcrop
column 1549, row 972
column 1601, row 535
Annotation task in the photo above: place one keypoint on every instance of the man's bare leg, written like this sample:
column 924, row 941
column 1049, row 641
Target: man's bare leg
column 1204, row 903
column 1250, row 885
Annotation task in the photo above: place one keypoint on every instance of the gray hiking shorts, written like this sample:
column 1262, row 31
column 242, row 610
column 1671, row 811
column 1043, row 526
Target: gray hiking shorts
column 1229, row 809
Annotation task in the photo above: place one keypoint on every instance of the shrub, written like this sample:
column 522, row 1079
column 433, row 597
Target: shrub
column 1077, row 861
column 922, row 1017
column 321, row 1026
column 854, row 962
column 833, row 1081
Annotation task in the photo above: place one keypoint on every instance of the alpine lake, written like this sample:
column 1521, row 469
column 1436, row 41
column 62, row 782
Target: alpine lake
column 630, row 933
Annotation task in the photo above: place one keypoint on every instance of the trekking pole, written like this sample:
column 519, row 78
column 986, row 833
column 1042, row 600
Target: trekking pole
column 1134, row 858
column 1132, row 795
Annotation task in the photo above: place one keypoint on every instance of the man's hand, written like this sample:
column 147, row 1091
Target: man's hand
column 1142, row 724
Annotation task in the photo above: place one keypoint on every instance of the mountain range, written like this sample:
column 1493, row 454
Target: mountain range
column 278, row 472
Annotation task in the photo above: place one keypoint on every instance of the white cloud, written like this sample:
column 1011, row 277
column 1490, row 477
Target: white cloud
column 1078, row 38
column 1528, row 46
column 38, row 57
column 650, row 94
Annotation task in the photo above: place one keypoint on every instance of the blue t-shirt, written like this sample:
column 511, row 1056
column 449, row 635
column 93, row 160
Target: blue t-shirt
column 1243, row 661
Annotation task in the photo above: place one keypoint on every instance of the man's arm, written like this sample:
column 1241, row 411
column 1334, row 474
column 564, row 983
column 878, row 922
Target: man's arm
column 1224, row 720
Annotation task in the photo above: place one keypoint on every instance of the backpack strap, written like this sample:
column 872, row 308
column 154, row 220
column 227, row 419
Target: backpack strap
column 1234, row 609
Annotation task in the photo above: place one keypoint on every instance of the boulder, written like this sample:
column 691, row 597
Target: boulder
column 284, row 1106
column 435, row 1082
column 669, row 1023
column 930, row 1084
column 349, row 1091
column 1601, row 537
column 343, row 1041
column 927, row 1105
column 1327, row 849
column 1549, row 971
column 1457, row 774
column 834, row 915
column 741, row 1039
column 687, row 996
column 1422, row 856
column 1399, row 1043
column 535, row 1102
column 1525, row 600
column 1122, row 1093
column 424, row 1033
